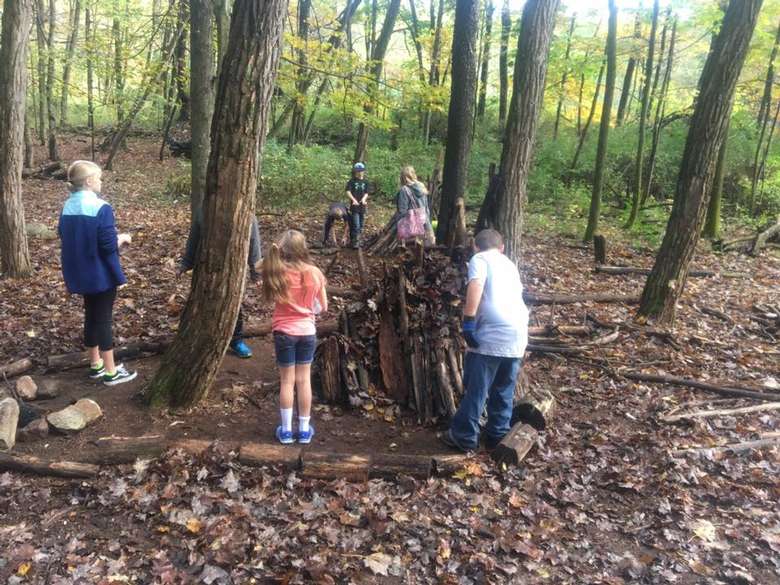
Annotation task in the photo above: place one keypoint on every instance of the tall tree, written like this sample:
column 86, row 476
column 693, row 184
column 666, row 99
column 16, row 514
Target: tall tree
column 201, row 69
column 711, row 229
column 584, row 131
column 242, row 105
column 636, row 190
column 769, row 81
column 299, row 112
column 503, row 204
column 90, row 46
column 606, row 114
column 378, row 52
column 182, row 97
column 40, row 44
column 70, row 49
column 503, row 64
column 119, row 65
column 51, row 138
column 564, row 76
column 14, row 254
column 434, row 76
column 485, row 67
column 667, row 279
column 628, row 79
column 464, row 82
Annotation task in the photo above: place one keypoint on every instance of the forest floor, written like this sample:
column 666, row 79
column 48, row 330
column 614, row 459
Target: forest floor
column 608, row 495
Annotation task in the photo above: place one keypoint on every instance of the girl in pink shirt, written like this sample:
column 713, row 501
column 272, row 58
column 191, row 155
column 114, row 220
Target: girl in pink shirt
column 297, row 287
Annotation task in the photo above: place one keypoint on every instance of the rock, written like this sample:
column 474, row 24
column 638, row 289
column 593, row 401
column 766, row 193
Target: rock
column 48, row 388
column 27, row 388
column 39, row 230
column 76, row 416
column 37, row 429
column 9, row 418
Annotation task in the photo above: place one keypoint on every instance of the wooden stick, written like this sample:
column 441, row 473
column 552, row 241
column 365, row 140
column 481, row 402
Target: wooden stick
column 551, row 330
column 558, row 299
column 457, row 375
column 30, row 464
column 362, row 271
column 670, row 418
column 618, row 270
column 445, row 388
column 722, row 390
column 16, row 368
column 732, row 447
column 553, row 349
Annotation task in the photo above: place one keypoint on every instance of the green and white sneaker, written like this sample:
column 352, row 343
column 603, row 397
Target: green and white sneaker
column 119, row 377
column 96, row 372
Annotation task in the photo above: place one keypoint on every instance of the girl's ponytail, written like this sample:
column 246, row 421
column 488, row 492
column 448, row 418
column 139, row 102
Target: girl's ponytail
column 274, row 277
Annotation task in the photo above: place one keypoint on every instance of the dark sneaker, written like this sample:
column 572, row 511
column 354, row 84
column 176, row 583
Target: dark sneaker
column 240, row 349
column 450, row 441
column 304, row 437
column 97, row 373
column 284, row 437
column 119, row 377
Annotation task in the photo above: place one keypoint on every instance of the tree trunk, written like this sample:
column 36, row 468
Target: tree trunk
column 712, row 224
column 222, row 19
column 485, row 60
column 17, row 17
column 581, row 92
column 464, row 82
column 625, row 91
column 435, row 74
column 503, row 65
column 636, row 194
column 90, row 46
column 766, row 98
column 182, row 98
column 378, row 52
column 298, row 122
column 52, row 118
column 70, row 50
column 767, row 148
column 666, row 282
column 40, row 30
column 606, row 113
column 119, row 70
column 239, row 127
column 660, row 110
column 564, row 77
column 29, row 153
column 583, row 133
column 533, row 49
column 201, row 67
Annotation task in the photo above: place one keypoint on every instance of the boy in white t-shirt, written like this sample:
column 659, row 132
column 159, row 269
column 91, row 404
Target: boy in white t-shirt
column 495, row 327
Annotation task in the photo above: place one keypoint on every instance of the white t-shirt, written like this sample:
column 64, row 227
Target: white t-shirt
column 502, row 317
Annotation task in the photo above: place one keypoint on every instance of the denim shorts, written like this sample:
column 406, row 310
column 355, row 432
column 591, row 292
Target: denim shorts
column 294, row 349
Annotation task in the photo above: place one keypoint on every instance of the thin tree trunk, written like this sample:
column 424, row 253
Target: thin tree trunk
column 485, row 68
column 625, row 92
column 201, row 68
column 182, row 98
column 298, row 122
column 504, row 208
column 29, row 153
column 14, row 254
column 712, row 224
column 503, row 65
column 606, row 113
column 40, row 30
column 90, row 42
column 241, row 110
column 222, row 19
column 564, row 77
column 666, row 281
column 119, row 71
column 766, row 98
column 636, row 194
column 50, row 105
column 70, row 50
column 660, row 109
column 584, row 132
column 767, row 148
column 464, row 83
column 434, row 75
column 581, row 92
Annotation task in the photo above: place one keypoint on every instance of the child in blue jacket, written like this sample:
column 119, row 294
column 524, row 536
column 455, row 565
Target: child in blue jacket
column 90, row 266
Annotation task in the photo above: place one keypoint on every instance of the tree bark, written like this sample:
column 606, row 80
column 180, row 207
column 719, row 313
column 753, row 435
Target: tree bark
column 298, row 122
column 90, row 46
column 201, row 67
column 765, row 156
column 182, row 98
column 533, row 49
column 503, row 65
column 238, row 134
column 766, row 98
column 40, row 31
column 712, row 225
column 606, row 114
column 14, row 254
column 707, row 131
column 51, row 138
column 564, row 77
column 434, row 74
column 636, row 194
column 485, row 67
column 119, row 69
column 222, row 19
column 464, row 82
column 628, row 79
column 70, row 50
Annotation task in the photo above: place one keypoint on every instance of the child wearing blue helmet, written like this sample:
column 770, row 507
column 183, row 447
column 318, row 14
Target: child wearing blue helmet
column 357, row 192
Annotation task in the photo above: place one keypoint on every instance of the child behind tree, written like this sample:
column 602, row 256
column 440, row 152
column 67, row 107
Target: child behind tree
column 297, row 287
column 90, row 266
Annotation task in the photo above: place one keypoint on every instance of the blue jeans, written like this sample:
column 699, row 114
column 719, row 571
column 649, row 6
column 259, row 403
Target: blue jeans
column 292, row 350
column 485, row 378
column 358, row 213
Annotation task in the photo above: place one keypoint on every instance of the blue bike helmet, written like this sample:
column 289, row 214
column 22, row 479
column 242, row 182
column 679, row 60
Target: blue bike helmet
column 359, row 167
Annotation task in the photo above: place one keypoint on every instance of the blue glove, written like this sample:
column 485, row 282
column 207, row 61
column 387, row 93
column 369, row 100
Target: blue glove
column 469, row 329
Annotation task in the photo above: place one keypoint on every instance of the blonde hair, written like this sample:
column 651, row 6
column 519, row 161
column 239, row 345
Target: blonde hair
column 289, row 251
column 79, row 172
column 409, row 177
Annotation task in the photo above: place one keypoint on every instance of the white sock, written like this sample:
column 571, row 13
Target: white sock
column 286, row 419
column 303, row 424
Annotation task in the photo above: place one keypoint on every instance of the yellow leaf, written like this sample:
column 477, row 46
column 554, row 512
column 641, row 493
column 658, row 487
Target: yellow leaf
column 194, row 525
column 23, row 569
column 704, row 529
column 163, row 529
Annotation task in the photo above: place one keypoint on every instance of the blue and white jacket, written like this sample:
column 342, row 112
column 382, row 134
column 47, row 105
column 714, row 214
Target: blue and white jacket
column 90, row 252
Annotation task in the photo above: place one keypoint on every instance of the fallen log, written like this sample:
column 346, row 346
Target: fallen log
column 123, row 450
column 329, row 465
column 30, row 464
column 721, row 390
column 670, row 418
column 553, row 349
column 259, row 455
column 550, row 330
column 567, row 299
column 732, row 447
column 392, row 465
column 446, row 465
column 619, row 270
column 16, row 368
column 536, row 408
column 515, row 445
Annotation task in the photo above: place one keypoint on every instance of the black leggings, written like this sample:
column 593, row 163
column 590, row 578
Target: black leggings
column 98, row 309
